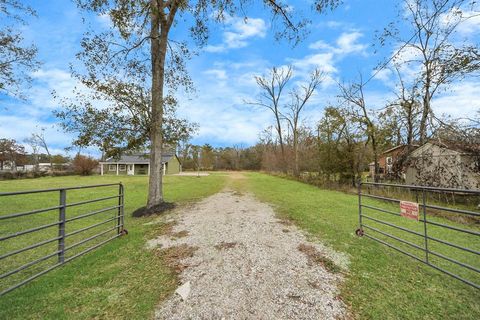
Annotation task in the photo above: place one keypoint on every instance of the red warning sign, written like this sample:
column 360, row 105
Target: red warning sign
column 409, row 210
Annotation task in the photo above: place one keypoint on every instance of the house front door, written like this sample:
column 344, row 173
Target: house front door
column 130, row 170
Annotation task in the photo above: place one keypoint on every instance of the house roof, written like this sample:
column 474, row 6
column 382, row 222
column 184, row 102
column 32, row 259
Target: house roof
column 455, row 145
column 452, row 147
column 139, row 158
column 398, row 147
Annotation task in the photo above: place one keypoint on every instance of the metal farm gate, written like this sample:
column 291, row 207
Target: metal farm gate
column 436, row 226
column 37, row 238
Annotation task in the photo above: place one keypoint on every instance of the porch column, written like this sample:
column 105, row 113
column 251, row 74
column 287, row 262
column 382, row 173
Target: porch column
column 101, row 169
column 117, row 169
column 148, row 170
column 133, row 167
column 164, row 167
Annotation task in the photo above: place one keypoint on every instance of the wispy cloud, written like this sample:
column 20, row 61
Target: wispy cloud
column 239, row 32
column 346, row 43
column 383, row 75
column 219, row 74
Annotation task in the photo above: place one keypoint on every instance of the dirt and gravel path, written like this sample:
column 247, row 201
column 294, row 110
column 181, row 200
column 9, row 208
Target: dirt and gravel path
column 238, row 261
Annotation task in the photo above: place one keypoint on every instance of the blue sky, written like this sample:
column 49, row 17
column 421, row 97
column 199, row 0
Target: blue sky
column 340, row 43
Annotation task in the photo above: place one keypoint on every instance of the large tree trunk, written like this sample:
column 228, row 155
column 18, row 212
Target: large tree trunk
column 158, row 52
column 426, row 108
column 376, row 177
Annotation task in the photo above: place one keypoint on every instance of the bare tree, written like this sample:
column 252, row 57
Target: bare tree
column 272, row 87
column 300, row 97
column 41, row 142
column 353, row 94
column 33, row 143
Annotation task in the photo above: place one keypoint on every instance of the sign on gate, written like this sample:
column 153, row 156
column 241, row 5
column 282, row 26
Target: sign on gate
column 409, row 210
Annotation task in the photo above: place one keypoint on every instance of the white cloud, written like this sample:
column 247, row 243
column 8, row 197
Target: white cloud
column 346, row 43
column 468, row 21
column 219, row 74
column 335, row 24
column 19, row 119
column 104, row 20
column 323, row 61
column 462, row 100
column 471, row 24
column 239, row 32
column 19, row 127
column 329, row 55
column 47, row 81
column 383, row 75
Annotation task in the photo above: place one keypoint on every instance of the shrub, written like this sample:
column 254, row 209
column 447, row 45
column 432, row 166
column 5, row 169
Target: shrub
column 84, row 165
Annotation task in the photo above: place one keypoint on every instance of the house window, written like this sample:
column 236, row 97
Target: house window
column 389, row 160
column 122, row 167
column 112, row 167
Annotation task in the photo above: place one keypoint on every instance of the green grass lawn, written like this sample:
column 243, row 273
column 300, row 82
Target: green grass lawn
column 381, row 283
column 120, row 279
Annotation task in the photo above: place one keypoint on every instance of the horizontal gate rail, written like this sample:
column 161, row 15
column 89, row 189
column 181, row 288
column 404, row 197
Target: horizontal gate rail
column 393, row 225
column 453, row 245
column 425, row 253
column 21, row 214
column 63, row 219
column 15, row 193
column 396, row 238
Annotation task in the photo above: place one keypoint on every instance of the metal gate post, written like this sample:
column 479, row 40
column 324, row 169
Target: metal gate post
column 120, row 209
column 61, row 226
column 123, row 207
column 425, row 224
column 360, row 204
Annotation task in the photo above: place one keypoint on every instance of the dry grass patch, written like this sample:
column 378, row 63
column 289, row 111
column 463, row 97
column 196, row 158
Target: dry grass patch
column 314, row 256
column 173, row 256
column 179, row 234
column 285, row 221
column 225, row 245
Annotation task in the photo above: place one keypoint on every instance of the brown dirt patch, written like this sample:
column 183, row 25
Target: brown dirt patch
column 315, row 257
column 285, row 221
column 179, row 234
column 173, row 256
column 225, row 245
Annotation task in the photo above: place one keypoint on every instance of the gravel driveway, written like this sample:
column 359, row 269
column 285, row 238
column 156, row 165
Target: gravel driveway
column 247, row 264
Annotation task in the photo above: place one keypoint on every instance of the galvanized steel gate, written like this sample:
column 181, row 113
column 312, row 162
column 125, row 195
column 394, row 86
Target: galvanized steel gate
column 66, row 241
column 431, row 238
